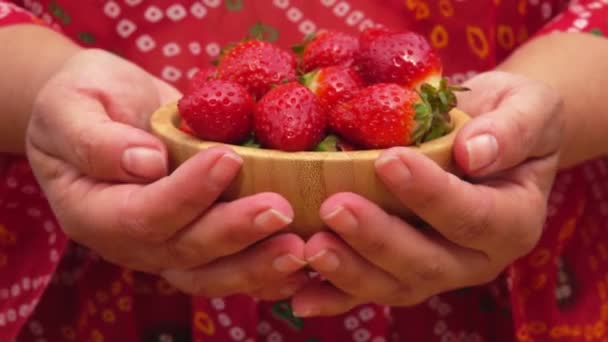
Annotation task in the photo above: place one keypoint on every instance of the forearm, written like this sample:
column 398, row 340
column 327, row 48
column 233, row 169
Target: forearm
column 577, row 67
column 32, row 54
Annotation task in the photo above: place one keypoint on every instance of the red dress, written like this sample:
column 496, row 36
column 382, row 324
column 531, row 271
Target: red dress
column 54, row 290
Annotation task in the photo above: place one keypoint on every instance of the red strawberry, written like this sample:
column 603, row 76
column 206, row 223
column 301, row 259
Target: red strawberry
column 258, row 66
column 386, row 115
column 202, row 76
column 289, row 118
column 218, row 111
column 327, row 48
column 372, row 33
column 333, row 84
column 405, row 58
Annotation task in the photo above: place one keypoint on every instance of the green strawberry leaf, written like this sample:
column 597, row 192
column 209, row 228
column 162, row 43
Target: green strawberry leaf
column 307, row 78
column 329, row 144
column 251, row 142
column 299, row 49
column 432, row 113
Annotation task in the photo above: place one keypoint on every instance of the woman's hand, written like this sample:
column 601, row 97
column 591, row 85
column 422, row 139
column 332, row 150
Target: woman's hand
column 509, row 151
column 107, row 181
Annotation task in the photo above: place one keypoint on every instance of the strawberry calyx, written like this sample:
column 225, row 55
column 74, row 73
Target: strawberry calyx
column 329, row 144
column 299, row 49
column 224, row 51
column 308, row 80
column 333, row 143
column 432, row 113
column 251, row 142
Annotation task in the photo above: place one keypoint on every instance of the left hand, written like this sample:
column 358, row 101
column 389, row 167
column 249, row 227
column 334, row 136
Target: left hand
column 509, row 152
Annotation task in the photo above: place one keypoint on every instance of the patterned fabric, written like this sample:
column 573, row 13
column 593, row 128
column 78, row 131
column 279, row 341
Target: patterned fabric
column 54, row 290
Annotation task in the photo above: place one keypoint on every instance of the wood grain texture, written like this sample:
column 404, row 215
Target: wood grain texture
column 305, row 179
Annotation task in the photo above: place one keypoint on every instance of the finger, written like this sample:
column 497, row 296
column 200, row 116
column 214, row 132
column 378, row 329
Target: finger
column 322, row 299
column 97, row 123
column 423, row 263
column 464, row 213
column 166, row 92
column 228, row 228
column 152, row 213
column 260, row 266
column 84, row 136
column 521, row 125
column 189, row 191
column 480, row 99
column 343, row 267
column 282, row 289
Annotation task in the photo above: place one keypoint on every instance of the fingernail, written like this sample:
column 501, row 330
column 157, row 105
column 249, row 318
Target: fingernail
column 144, row 162
column 271, row 219
column 287, row 263
column 224, row 168
column 341, row 220
column 393, row 168
column 305, row 312
column 482, row 151
column 325, row 261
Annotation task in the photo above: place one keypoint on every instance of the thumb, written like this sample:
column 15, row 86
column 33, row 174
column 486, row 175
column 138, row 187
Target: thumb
column 166, row 92
column 76, row 130
column 521, row 124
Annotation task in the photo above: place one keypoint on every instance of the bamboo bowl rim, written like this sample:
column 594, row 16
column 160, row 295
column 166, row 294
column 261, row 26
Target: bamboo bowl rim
column 165, row 122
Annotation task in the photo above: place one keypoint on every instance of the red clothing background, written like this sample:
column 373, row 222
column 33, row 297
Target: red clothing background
column 54, row 290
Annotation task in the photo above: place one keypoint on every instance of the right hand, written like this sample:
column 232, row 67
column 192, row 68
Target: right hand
column 107, row 181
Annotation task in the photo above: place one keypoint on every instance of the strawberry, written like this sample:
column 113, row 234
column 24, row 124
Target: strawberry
column 289, row 118
column 258, row 66
column 327, row 48
column 219, row 111
column 404, row 58
column 202, row 76
column 333, row 84
column 371, row 33
column 385, row 115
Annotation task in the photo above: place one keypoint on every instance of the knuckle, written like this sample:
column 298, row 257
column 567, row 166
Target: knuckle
column 234, row 238
column 84, row 149
column 484, row 278
column 245, row 281
column 137, row 224
column 426, row 201
column 430, row 270
column 191, row 202
column 467, row 232
column 181, row 256
column 518, row 129
column 374, row 244
column 524, row 235
column 472, row 223
column 405, row 296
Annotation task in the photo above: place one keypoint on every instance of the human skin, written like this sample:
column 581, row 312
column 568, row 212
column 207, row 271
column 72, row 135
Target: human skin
column 528, row 116
column 107, row 182
column 528, row 119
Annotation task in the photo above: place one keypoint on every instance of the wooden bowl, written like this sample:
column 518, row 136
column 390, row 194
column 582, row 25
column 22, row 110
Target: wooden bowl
column 305, row 179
